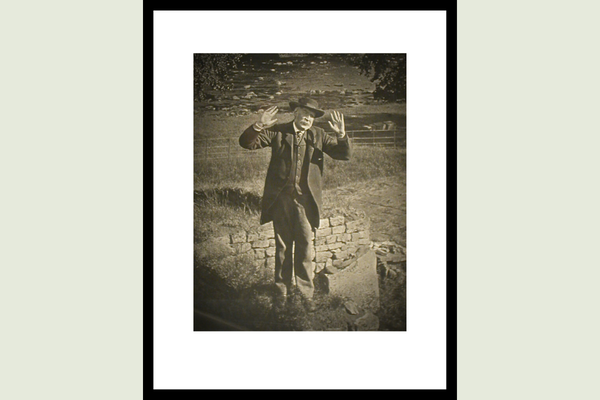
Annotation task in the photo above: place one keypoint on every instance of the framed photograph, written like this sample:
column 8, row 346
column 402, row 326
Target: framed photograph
column 301, row 171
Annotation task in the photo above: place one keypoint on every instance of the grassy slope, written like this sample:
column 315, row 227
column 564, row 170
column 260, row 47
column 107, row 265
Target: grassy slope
column 248, row 174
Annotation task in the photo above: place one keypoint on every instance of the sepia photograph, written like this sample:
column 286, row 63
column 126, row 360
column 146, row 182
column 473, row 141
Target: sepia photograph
column 300, row 192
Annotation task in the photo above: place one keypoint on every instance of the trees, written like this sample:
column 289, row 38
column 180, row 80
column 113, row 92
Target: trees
column 388, row 71
column 211, row 72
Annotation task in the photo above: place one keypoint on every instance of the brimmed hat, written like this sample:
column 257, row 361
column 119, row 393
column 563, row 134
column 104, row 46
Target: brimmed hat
column 309, row 103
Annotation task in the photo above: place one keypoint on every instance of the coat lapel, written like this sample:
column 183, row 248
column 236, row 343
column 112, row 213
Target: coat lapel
column 288, row 131
column 310, row 143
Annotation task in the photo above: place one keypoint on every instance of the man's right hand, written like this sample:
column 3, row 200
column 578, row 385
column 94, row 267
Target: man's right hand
column 267, row 119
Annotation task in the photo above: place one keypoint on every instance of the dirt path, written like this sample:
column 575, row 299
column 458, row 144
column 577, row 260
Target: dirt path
column 384, row 201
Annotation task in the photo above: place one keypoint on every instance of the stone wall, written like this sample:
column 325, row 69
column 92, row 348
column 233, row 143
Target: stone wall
column 336, row 242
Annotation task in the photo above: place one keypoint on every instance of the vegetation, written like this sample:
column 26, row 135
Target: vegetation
column 387, row 71
column 211, row 72
column 245, row 177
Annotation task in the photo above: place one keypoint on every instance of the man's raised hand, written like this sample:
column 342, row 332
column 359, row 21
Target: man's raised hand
column 337, row 124
column 267, row 119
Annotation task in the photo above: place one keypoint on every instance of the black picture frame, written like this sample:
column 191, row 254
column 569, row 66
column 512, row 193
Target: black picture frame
column 450, row 7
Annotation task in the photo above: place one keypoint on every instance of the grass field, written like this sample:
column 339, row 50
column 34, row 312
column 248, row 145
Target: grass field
column 245, row 176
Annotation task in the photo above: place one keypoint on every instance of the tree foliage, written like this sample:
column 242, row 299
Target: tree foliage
column 387, row 71
column 212, row 72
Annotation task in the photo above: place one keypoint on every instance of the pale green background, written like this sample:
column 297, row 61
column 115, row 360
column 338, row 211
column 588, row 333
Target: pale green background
column 71, row 215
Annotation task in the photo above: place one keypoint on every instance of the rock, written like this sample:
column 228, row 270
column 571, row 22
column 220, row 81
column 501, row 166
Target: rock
column 330, row 269
column 351, row 307
column 381, row 251
column 358, row 281
column 391, row 274
column 395, row 258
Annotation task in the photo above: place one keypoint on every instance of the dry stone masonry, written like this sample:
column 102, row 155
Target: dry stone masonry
column 336, row 243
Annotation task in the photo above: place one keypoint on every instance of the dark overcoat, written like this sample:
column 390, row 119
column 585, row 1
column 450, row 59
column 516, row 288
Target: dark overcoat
column 281, row 138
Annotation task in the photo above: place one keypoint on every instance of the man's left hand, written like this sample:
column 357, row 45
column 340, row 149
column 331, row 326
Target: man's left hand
column 337, row 124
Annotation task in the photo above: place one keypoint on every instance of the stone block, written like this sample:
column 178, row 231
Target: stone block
column 335, row 245
column 259, row 253
column 270, row 262
column 323, row 255
column 323, row 232
column 345, row 237
column 395, row 258
column 351, row 249
column 252, row 236
column 266, row 231
column 266, row 235
column 320, row 241
column 331, row 239
column 335, row 221
column 338, row 229
column 359, row 281
column 321, row 248
column 352, row 226
column 270, row 252
column 320, row 266
column 324, row 223
column 266, row 227
column 260, row 244
column 340, row 254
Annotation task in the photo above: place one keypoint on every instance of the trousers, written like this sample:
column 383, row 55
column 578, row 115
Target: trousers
column 294, row 251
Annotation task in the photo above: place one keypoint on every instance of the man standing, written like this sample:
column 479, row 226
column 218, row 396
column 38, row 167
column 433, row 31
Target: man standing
column 293, row 187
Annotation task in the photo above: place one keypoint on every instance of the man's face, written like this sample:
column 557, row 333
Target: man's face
column 303, row 118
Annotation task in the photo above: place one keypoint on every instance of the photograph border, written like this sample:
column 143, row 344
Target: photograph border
column 451, row 190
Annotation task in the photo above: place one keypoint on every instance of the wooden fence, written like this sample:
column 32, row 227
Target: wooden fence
column 226, row 148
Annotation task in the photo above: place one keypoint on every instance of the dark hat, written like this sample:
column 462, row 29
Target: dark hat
column 309, row 103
